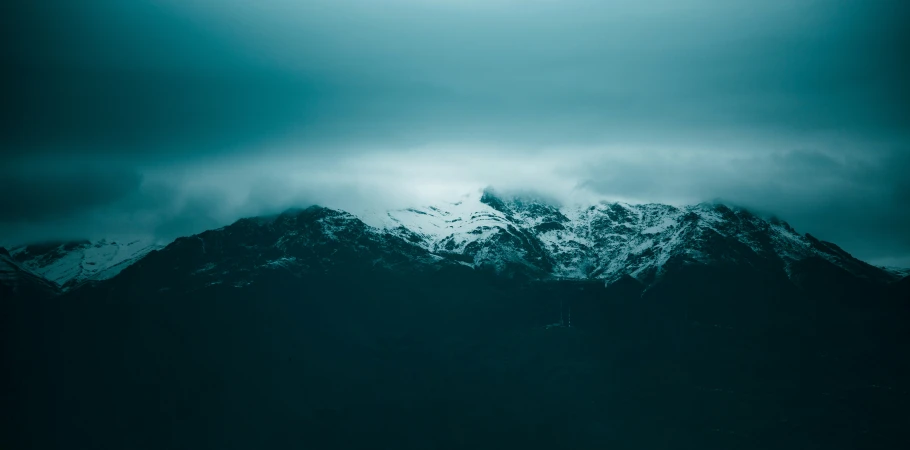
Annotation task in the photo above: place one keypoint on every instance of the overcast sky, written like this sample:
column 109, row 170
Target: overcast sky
column 169, row 117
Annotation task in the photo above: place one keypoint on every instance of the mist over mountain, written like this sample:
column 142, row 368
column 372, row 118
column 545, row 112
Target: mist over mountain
column 166, row 118
column 508, row 234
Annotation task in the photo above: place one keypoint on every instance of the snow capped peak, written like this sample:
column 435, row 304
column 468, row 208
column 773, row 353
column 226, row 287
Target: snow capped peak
column 603, row 240
column 68, row 264
column 515, row 234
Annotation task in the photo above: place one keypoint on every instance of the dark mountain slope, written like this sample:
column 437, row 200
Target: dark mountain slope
column 310, row 329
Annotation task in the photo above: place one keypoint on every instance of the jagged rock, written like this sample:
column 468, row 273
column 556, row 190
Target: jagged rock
column 518, row 236
column 608, row 240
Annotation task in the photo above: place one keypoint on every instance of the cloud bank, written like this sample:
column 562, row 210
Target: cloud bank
column 169, row 117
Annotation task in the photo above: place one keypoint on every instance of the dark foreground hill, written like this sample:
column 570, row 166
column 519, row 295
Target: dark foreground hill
column 310, row 330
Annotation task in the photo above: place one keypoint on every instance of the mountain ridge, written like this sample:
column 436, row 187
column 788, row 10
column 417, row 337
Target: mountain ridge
column 608, row 240
column 69, row 264
column 513, row 235
column 347, row 329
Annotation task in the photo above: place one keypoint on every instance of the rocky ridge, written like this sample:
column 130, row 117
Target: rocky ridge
column 608, row 240
column 70, row 264
column 512, row 236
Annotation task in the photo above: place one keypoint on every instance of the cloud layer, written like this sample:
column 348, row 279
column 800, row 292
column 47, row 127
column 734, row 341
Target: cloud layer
column 168, row 117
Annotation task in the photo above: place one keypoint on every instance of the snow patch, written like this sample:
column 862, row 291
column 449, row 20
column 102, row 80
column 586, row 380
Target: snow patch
column 71, row 264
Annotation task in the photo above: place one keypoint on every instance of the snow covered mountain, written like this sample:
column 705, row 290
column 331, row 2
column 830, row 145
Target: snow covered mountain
column 334, row 320
column 607, row 240
column 507, row 235
column 70, row 264
column 606, row 304
column 302, row 241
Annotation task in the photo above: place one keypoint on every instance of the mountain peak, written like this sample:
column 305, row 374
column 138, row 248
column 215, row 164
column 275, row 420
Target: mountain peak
column 71, row 263
column 515, row 234
column 489, row 197
column 607, row 240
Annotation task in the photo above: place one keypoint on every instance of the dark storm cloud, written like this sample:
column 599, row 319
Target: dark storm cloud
column 32, row 193
column 797, row 107
column 111, row 77
column 211, row 76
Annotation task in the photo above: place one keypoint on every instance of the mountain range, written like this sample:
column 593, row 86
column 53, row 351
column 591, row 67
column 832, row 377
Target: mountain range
column 510, row 236
column 492, row 321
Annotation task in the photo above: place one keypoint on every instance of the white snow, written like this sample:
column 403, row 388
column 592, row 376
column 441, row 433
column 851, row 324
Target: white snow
column 96, row 261
column 281, row 262
column 446, row 227
column 642, row 247
column 666, row 222
column 605, row 240
column 608, row 239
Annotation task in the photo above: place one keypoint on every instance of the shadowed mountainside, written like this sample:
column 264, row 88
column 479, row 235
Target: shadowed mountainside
column 311, row 329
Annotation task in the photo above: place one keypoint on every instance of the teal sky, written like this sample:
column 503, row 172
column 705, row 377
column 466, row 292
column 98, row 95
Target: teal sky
column 168, row 117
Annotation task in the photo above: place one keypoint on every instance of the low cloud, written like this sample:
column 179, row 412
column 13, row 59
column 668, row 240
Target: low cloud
column 166, row 117
column 855, row 201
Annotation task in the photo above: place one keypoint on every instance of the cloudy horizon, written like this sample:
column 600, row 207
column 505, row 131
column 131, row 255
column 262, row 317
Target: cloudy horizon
column 166, row 118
